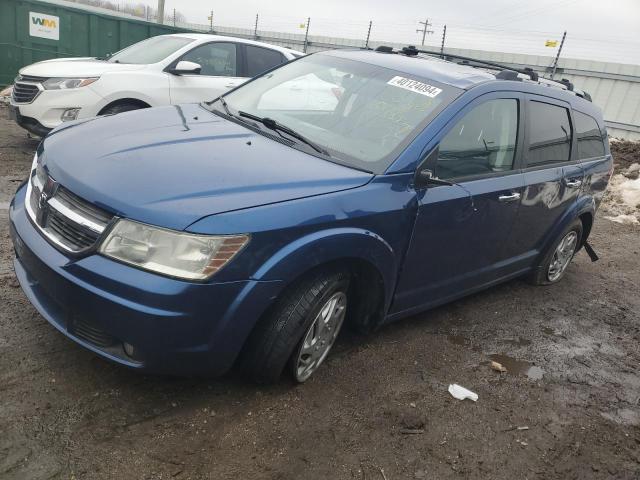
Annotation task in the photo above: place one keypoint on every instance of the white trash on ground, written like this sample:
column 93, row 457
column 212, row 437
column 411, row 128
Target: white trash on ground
column 462, row 393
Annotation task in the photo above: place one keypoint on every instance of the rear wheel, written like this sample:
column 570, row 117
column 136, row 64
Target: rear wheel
column 559, row 256
column 300, row 330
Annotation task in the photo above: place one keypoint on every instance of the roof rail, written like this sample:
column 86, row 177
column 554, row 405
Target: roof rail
column 506, row 72
column 412, row 51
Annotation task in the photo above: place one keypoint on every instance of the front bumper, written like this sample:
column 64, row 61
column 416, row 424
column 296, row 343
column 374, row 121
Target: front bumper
column 47, row 107
column 29, row 124
column 175, row 327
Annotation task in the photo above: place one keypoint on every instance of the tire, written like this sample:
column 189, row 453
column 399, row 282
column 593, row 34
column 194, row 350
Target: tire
column 277, row 340
column 120, row 107
column 544, row 274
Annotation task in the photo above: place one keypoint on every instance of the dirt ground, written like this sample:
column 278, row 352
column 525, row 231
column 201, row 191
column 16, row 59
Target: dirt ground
column 568, row 408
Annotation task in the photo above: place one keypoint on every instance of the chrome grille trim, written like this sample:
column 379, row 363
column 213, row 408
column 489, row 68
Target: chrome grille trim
column 67, row 211
column 66, row 220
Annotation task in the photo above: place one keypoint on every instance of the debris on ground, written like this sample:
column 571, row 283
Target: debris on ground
column 498, row 367
column 5, row 95
column 462, row 393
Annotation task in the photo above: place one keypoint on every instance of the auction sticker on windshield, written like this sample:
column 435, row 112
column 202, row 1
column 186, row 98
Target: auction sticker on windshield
column 415, row 86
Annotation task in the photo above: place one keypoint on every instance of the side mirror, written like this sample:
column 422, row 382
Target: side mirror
column 427, row 178
column 185, row 67
column 425, row 175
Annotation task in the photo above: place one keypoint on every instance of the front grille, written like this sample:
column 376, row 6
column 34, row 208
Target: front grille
column 92, row 334
column 25, row 92
column 70, row 233
column 84, row 208
column 71, row 223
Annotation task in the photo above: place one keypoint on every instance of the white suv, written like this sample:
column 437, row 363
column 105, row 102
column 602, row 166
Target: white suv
column 162, row 70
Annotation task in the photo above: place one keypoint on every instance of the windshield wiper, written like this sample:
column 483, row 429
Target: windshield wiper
column 274, row 125
column 223, row 102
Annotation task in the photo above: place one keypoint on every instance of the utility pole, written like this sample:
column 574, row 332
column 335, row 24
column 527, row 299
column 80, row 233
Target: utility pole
column 306, row 36
column 174, row 17
column 366, row 44
column 255, row 29
column 555, row 62
column 211, row 21
column 444, row 36
column 424, row 30
column 160, row 18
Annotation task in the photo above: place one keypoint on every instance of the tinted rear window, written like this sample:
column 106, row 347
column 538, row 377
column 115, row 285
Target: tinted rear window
column 549, row 133
column 261, row 59
column 590, row 142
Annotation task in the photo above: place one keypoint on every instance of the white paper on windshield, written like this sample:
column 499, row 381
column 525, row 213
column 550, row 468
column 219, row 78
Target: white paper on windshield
column 415, row 86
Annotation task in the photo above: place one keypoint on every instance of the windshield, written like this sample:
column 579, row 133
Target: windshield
column 363, row 115
column 151, row 50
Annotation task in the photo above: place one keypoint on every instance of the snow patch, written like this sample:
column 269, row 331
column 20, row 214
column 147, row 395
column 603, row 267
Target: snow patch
column 623, row 197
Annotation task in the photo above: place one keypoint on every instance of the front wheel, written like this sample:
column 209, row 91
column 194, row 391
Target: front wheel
column 559, row 256
column 300, row 330
column 120, row 108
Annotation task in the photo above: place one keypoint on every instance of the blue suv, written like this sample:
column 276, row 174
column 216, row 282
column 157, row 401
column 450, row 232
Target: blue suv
column 346, row 187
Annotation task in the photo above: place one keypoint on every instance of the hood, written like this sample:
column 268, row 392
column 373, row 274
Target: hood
column 171, row 166
column 76, row 67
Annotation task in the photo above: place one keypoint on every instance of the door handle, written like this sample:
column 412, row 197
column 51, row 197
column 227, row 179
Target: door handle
column 509, row 198
column 229, row 85
column 573, row 183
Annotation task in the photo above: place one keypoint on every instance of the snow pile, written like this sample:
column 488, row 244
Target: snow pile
column 623, row 197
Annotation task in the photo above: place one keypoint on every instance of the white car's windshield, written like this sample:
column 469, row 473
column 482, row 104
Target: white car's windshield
column 151, row 50
column 363, row 115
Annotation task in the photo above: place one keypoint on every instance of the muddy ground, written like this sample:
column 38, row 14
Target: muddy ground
column 569, row 407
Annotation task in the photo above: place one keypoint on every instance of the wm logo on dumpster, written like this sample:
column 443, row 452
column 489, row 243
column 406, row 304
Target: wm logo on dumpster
column 44, row 26
column 44, row 22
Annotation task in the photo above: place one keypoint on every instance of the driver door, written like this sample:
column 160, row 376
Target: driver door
column 220, row 62
column 462, row 230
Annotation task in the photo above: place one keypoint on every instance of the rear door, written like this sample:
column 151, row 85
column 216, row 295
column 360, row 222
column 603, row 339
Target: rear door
column 221, row 64
column 553, row 175
column 462, row 231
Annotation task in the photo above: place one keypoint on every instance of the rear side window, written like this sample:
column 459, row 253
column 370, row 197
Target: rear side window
column 261, row 59
column 590, row 142
column 482, row 142
column 549, row 133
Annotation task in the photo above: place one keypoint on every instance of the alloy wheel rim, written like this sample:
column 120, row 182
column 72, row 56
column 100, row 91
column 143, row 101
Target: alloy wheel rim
column 562, row 256
column 320, row 336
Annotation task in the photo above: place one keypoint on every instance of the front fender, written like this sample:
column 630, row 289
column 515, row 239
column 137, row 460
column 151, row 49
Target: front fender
column 332, row 245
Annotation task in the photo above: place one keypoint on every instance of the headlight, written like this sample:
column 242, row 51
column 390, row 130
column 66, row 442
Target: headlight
column 169, row 252
column 65, row 83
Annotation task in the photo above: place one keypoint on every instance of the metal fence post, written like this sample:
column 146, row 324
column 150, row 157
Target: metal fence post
column 255, row 29
column 366, row 44
column 444, row 36
column 555, row 62
column 306, row 36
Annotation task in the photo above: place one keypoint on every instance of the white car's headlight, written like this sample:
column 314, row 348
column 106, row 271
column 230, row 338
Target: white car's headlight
column 66, row 83
column 169, row 252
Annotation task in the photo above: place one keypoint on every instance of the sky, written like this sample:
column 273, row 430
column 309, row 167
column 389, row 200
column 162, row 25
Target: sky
column 595, row 29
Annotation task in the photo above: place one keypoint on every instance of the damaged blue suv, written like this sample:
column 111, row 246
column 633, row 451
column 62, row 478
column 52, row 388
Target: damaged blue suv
column 344, row 188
